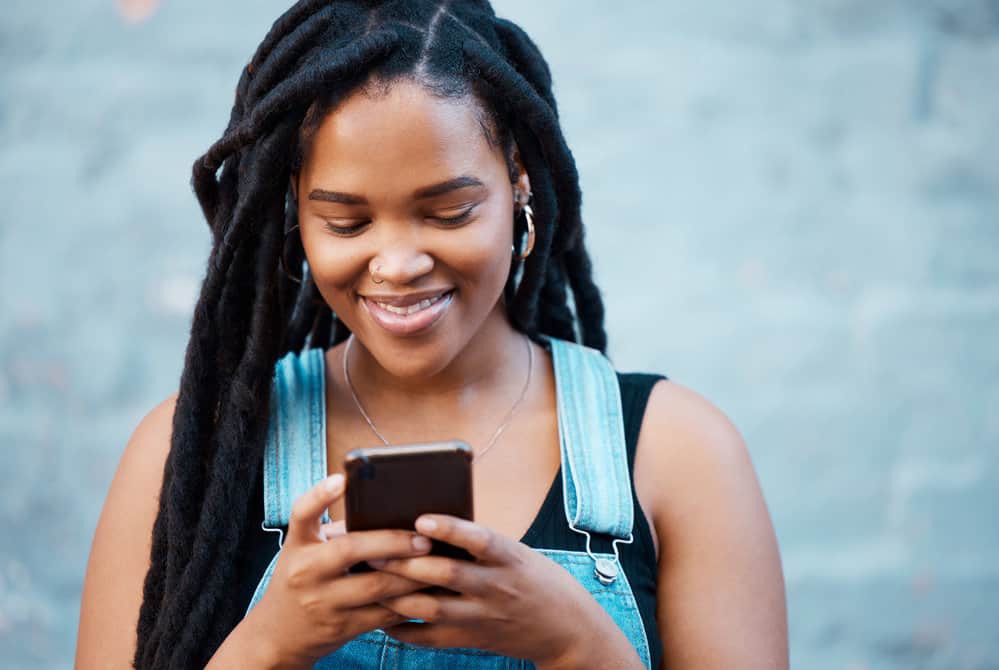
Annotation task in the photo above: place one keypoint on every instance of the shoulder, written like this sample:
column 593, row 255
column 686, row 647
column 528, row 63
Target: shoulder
column 157, row 424
column 119, row 555
column 147, row 449
column 720, row 593
column 144, row 457
column 139, row 475
column 692, row 449
column 687, row 430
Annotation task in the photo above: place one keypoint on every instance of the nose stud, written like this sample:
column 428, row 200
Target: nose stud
column 374, row 273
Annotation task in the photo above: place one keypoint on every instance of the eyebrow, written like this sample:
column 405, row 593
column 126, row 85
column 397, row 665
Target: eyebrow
column 423, row 193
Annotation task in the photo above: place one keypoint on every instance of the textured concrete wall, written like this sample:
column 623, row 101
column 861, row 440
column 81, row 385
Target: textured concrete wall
column 792, row 208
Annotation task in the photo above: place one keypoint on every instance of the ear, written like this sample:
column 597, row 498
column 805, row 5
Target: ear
column 522, row 184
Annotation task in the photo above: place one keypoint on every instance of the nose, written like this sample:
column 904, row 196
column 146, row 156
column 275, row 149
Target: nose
column 400, row 264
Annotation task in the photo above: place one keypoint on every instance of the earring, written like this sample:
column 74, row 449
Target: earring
column 284, row 263
column 529, row 215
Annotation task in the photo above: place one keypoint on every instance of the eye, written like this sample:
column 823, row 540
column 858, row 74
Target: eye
column 346, row 230
column 455, row 220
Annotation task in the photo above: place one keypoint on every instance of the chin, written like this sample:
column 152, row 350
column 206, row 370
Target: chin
column 413, row 358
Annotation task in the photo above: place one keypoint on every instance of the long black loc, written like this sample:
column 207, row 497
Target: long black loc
column 249, row 313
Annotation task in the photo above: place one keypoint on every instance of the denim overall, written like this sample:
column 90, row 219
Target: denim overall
column 596, row 484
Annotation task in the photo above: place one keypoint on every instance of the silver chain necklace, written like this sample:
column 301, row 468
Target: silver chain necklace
column 499, row 429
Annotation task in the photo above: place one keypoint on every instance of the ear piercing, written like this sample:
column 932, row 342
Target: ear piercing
column 529, row 247
column 283, row 260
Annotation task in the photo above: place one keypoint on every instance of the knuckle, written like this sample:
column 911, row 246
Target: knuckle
column 341, row 550
column 483, row 541
column 298, row 573
column 431, row 610
column 508, row 590
column 314, row 606
column 386, row 585
column 450, row 572
column 518, row 559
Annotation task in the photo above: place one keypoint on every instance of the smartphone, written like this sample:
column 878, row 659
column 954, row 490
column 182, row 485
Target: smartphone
column 389, row 487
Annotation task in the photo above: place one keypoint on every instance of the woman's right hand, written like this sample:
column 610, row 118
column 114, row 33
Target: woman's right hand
column 311, row 606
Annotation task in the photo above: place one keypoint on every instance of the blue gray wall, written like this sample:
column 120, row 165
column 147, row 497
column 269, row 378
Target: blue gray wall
column 793, row 208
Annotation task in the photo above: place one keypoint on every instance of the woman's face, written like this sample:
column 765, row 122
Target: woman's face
column 405, row 185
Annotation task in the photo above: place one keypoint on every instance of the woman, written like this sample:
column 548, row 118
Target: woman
column 398, row 257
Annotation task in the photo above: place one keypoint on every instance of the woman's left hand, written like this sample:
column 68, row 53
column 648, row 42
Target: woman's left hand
column 511, row 600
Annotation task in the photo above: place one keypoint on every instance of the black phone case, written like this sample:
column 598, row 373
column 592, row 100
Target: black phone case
column 390, row 487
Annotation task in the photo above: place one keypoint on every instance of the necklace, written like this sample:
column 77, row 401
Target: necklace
column 499, row 429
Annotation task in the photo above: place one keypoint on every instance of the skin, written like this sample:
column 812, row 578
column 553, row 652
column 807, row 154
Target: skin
column 721, row 600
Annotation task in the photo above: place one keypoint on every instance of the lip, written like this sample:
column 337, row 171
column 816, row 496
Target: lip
column 407, row 324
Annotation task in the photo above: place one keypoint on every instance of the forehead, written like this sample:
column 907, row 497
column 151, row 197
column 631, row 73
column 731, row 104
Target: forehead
column 399, row 137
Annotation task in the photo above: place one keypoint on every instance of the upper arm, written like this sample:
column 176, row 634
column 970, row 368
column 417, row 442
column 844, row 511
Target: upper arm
column 119, row 556
column 720, row 598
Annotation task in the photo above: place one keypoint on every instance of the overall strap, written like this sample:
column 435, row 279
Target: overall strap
column 595, row 476
column 295, row 454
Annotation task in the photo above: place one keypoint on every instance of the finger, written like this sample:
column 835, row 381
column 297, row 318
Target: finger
column 430, row 635
column 343, row 551
column 370, row 588
column 332, row 529
column 304, row 521
column 481, row 542
column 435, row 608
column 455, row 574
column 370, row 617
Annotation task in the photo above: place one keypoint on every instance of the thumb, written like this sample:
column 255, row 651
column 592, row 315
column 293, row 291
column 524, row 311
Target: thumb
column 306, row 513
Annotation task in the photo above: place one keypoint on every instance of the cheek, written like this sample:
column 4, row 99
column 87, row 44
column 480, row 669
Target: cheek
column 336, row 266
column 481, row 258
column 483, row 254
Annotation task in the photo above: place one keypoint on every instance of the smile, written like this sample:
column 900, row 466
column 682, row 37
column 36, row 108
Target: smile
column 411, row 309
column 407, row 315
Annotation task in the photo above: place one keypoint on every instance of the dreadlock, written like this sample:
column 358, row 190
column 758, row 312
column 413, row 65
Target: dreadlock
column 250, row 313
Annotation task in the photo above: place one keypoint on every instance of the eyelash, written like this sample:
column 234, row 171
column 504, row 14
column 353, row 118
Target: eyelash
column 344, row 231
column 347, row 231
column 453, row 220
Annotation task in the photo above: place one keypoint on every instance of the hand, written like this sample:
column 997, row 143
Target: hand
column 511, row 600
column 311, row 606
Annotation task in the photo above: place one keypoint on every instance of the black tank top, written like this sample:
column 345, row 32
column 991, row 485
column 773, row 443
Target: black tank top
column 550, row 529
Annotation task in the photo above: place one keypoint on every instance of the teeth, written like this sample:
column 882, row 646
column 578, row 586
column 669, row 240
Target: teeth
column 411, row 309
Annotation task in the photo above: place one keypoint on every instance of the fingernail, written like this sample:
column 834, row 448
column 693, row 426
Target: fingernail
column 333, row 483
column 421, row 543
column 426, row 525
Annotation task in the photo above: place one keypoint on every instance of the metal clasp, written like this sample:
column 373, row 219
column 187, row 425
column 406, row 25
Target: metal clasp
column 604, row 569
